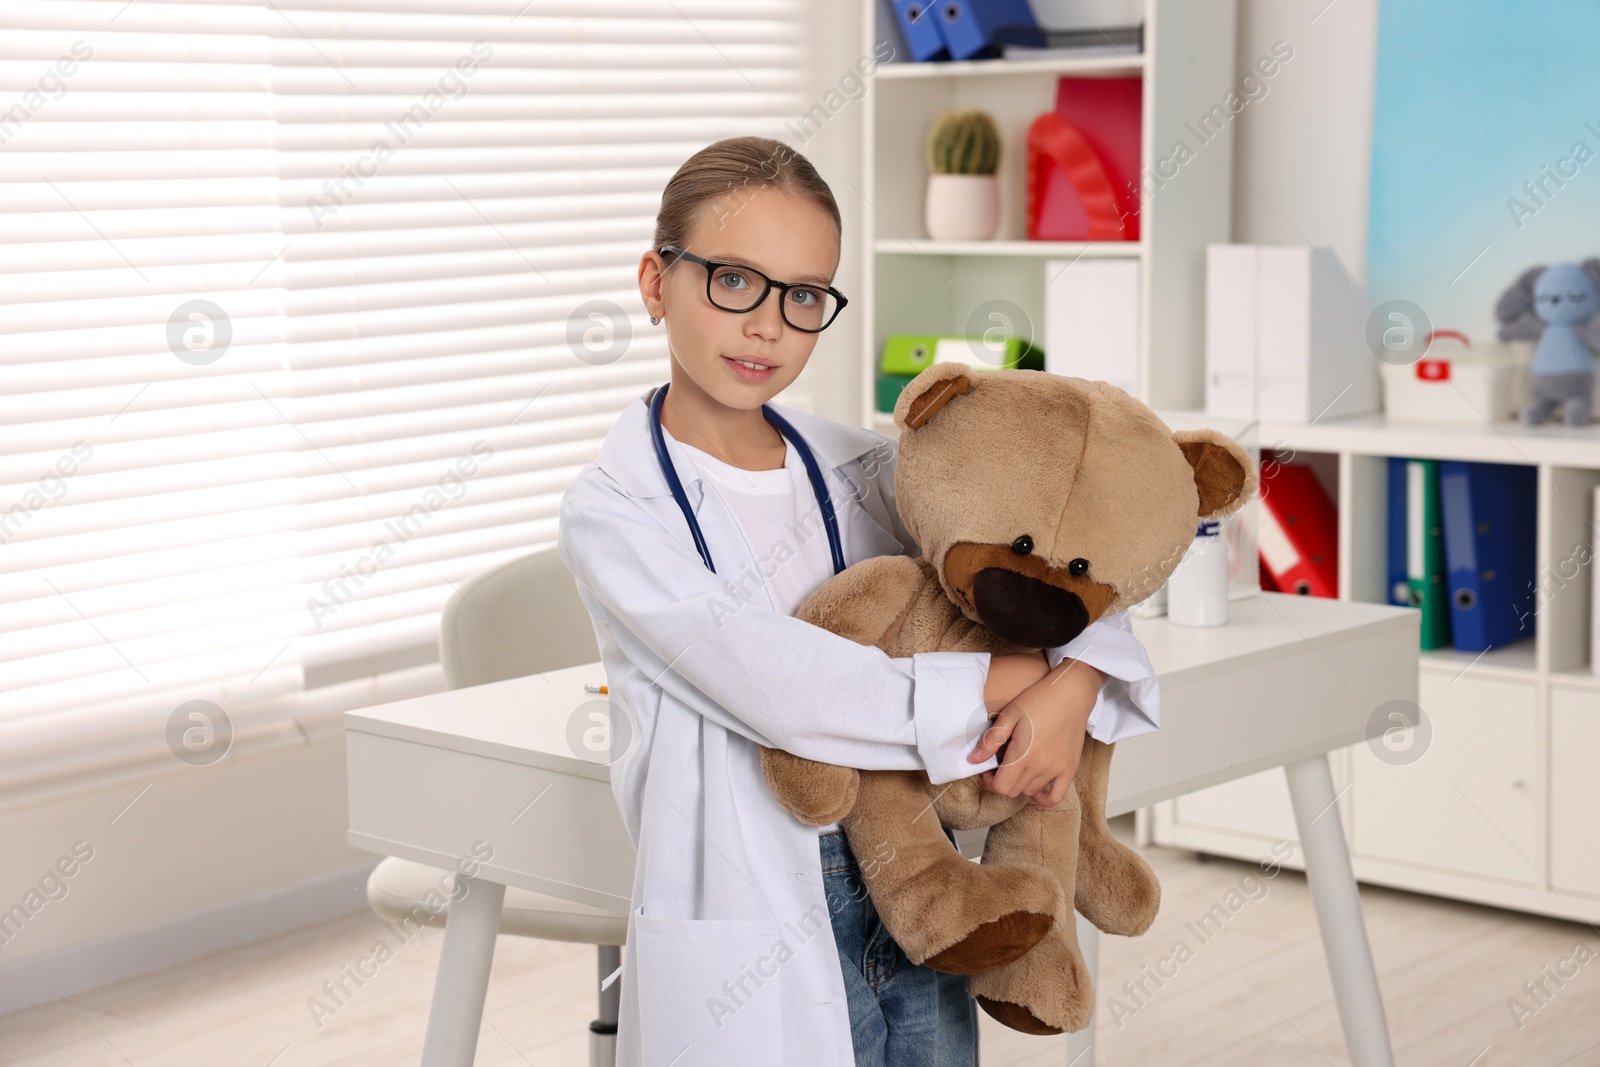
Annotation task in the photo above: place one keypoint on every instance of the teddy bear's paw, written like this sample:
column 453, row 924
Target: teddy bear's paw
column 815, row 793
column 1048, row 991
column 1116, row 889
column 1017, row 1017
column 995, row 912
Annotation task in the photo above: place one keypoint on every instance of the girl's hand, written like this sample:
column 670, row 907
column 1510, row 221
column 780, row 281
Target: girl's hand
column 1042, row 731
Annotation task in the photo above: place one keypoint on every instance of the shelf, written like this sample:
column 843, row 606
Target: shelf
column 1577, row 678
column 1378, row 435
column 1131, row 63
column 1042, row 249
column 1513, row 660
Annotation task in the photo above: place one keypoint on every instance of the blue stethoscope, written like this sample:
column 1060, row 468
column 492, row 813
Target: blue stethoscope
column 817, row 485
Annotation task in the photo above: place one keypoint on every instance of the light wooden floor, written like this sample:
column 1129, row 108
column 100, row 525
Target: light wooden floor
column 1254, row 991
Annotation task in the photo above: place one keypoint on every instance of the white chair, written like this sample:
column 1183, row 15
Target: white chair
column 520, row 617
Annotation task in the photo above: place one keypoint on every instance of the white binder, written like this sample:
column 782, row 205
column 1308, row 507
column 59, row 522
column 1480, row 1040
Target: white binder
column 1092, row 320
column 1286, row 336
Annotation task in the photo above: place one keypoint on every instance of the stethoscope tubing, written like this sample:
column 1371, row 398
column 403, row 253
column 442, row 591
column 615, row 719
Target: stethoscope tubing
column 829, row 520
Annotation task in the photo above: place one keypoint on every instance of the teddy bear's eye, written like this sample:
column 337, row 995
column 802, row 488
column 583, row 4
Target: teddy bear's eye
column 1078, row 568
column 1022, row 545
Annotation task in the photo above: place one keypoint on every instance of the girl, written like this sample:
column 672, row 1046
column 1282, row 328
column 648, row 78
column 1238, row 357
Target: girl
column 692, row 540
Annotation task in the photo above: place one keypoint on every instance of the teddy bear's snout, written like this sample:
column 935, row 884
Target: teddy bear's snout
column 1025, row 598
column 1026, row 610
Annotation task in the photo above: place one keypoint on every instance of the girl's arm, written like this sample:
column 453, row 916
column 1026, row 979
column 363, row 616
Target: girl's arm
column 1130, row 700
column 770, row 677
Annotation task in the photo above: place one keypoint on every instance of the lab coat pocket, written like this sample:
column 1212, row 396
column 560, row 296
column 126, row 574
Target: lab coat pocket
column 710, row 991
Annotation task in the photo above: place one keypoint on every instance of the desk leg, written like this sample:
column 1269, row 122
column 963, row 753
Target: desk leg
column 1338, row 904
column 463, row 979
column 1080, row 1046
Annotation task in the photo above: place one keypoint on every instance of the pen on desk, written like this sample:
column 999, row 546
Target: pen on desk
column 587, row 688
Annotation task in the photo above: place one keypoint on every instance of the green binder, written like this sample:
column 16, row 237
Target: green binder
column 1425, row 566
column 911, row 354
column 907, row 355
column 889, row 386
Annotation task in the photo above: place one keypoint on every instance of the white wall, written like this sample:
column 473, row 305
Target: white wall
column 1302, row 152
column 182, row 862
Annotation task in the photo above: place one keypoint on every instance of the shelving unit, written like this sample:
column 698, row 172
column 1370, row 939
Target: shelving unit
column 917, row 285
column 1499, row 807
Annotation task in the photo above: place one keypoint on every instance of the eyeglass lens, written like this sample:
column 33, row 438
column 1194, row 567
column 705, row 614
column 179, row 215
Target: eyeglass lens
column 804, row 307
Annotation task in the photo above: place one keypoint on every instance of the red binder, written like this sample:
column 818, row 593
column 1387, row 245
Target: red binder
column 1298, row 536
column 1083, row 162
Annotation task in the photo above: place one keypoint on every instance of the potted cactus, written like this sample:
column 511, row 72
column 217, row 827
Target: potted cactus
column 963, row 201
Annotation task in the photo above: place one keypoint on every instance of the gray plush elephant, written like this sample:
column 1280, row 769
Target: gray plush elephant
column 1557, row 306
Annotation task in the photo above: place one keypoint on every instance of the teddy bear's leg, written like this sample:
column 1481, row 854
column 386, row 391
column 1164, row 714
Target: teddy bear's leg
column 1578, row 408
column 1049, row 990
column 815, row 793
column 1117, row 890
column 942, row 909
column 1543, row 403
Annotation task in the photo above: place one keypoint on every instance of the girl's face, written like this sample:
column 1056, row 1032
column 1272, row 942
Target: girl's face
column 788, row 239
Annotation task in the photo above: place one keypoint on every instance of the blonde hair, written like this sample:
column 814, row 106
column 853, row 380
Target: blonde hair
column 736, row 165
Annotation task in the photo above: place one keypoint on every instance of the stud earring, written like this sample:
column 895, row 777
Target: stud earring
column 654, row 321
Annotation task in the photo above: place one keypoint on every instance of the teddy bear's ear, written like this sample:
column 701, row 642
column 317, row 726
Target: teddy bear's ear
column 1223, row 474
column 1518, row 296
column 927, row 394
column 1591, row 267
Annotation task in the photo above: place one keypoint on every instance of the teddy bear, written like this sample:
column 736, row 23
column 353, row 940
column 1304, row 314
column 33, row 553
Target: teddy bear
column 1041, row 503
column 1556, row 306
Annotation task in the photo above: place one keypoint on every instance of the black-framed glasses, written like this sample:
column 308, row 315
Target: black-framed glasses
column 735, row 287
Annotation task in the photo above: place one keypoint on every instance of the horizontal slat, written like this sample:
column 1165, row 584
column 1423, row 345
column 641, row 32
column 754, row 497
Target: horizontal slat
column 161, row 520
column 389, row 459
column 648, row 24
column 436, row 220
column 128, row 667
column 320, row 313
column 66, row 167
column 438, row 253
column 404, row 191
column 514, row 341
column 83, row 109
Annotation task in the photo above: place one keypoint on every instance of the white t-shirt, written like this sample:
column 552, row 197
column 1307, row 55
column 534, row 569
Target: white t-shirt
column 780, row 517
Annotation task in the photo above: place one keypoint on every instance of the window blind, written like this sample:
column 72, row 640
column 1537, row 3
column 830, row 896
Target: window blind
column 308, row 318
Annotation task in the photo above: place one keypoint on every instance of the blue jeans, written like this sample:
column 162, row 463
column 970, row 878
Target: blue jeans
column 901, row 1014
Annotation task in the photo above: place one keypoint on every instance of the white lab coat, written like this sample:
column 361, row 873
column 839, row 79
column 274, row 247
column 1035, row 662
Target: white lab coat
column 730, row 957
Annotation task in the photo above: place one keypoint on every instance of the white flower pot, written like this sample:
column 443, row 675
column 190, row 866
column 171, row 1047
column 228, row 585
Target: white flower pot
column 962, row 207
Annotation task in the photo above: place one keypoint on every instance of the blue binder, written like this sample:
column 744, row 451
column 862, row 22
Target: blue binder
column 1489, row 516
column 1399, row 586
column 919, row 25
column 968, row 25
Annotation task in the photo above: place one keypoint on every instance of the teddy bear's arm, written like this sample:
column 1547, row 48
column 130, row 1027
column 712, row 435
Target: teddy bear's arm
column 864, row 602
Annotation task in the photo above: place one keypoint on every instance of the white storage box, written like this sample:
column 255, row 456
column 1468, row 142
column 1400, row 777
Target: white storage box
column 1450, row 390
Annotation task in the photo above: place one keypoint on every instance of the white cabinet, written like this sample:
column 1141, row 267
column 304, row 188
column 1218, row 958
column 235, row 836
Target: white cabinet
column 1575, row 789
column 1257, row 804
column 1466, row 796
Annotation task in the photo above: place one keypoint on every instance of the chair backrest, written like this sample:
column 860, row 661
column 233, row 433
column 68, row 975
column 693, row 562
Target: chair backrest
column 521, row 617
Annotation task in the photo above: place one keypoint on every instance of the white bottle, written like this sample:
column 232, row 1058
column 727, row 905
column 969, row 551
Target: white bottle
column 1155, row 605
column 1197, row 592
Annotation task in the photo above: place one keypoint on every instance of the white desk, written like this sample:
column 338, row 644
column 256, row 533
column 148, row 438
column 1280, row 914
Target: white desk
column 1286, row 681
